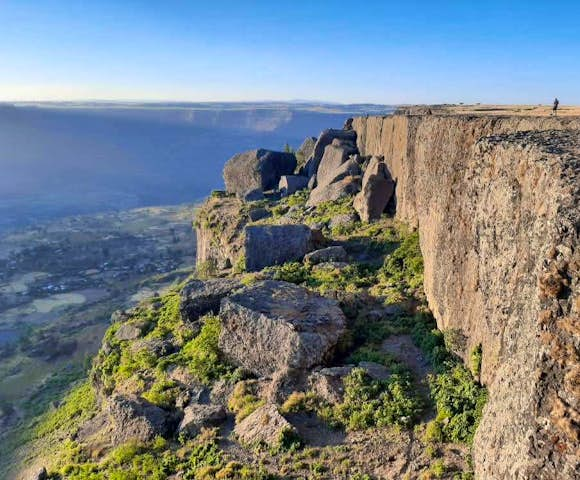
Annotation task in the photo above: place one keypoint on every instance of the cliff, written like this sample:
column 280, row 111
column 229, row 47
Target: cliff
column 497, row 210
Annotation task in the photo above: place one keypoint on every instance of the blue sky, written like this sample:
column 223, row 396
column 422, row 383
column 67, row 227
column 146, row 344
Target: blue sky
column 365, row 51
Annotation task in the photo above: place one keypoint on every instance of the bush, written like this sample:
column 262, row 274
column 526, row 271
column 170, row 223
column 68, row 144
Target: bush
column 243, row 400
column 459, row 401
column 368, row 403
column 202, row 354
column 402, row 273
column 475, row 360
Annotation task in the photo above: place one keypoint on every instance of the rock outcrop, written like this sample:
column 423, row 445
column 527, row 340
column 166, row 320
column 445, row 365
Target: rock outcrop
column 197, row 416
column 257, row 169
column 324, row 139
column 376, row 191
column 328, row 254
column 335, row 155
column 347, row 186
column 274, row 326
column 496, row 201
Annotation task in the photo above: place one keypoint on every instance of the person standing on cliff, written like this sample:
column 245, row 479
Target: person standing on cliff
column 555, row 108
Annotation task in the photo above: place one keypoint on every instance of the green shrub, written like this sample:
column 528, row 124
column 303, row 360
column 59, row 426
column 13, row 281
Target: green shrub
column 368, row 403
column 244, row 401
column 202, row 354
column 475, row 359
column 459, row 401
column 207, row 269
column 293, row 272
column 402, row 273
column 163, row 393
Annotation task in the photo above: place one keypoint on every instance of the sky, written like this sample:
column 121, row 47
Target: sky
column 355, row 51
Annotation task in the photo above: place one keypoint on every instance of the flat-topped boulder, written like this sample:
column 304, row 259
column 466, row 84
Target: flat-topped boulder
column 267, row 245
column 278, row 325
column 257, row 169
column 328, row 254
column 197, row 416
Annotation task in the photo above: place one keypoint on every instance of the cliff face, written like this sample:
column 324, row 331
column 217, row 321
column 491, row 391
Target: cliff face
column 498, row 216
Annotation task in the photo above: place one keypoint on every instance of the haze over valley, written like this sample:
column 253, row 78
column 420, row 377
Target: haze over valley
column 61, row 159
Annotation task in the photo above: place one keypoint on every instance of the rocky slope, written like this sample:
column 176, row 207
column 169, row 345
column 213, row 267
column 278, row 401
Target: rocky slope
column 496, row 201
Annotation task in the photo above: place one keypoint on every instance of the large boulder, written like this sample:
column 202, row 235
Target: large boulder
column 201, row 297
column 290, row 184
column 137, row 419
column 377, row 189
column 264, row 426
column 324, row 193
column 267, row 245
column 278, row 325
column 335, row 154
column 325, row 139
column 257, row 169
column 197, row 416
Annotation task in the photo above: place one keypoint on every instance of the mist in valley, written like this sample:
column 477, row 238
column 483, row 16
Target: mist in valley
column 61, row 159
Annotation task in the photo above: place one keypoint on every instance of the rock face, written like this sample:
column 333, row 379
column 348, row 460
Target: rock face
column 265, row 425
column 137, row 419
column 199, row 297
column 267, row 245
column 497, row 213
column 290, row 184
column 257, row 169
column 277, row 325
column 377, row 189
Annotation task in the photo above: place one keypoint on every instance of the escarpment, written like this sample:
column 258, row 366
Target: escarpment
column 496, row 202
column 306, row 345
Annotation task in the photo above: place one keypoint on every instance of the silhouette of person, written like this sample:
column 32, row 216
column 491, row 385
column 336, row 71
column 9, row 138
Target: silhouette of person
column 555, row 108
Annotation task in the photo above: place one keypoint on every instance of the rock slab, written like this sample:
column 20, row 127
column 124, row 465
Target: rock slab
column 278, row 325
column 267, row 245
